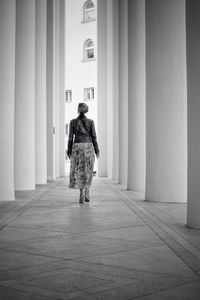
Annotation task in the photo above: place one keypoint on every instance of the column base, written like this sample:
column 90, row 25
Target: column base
column 192, row 226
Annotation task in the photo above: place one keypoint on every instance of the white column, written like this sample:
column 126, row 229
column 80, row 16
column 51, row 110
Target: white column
column 166, row 177
column 193, row 92
column 7, row 88
column 112, row 89
column 136, row 95
column 123, row 91
column 50, row 92
column 62, row 88
column 25, row 95
column 102, row 86
column 40, row 93
column 56, row 79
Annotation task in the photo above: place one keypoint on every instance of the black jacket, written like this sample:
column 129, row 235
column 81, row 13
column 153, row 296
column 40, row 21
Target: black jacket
column 82, row 130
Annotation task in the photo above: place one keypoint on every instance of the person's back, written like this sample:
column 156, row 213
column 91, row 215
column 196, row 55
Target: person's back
column 82, row 144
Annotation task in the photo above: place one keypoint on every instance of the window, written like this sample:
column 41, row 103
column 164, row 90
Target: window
column 88, row 11
column 68, row 95
column 67, row 129
column 89, row 93
column 88, row 50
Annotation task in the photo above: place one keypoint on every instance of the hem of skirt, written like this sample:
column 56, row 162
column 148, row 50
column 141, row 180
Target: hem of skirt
column 75, row 186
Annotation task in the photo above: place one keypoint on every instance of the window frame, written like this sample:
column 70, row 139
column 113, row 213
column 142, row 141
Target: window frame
column 68, row 96
column 86, row 90
column 86, row 10
column 86, row 49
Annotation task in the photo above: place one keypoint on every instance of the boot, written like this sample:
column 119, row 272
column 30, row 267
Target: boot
column 81, row 199
column 87, row 196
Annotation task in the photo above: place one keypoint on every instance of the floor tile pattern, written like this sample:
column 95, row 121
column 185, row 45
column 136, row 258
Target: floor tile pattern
column 118, row 246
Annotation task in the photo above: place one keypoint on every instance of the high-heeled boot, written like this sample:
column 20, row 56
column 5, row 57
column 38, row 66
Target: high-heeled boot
column 87, row 196
column 81, row 199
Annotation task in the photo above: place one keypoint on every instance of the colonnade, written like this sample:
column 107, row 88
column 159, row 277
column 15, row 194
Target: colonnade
column 32, row 93
column 153, row 120
column 148, row 57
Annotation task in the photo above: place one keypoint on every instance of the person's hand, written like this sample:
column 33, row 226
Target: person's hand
column 97, row 155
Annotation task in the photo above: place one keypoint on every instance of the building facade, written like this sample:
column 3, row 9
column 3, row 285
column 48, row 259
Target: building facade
column 80, row 59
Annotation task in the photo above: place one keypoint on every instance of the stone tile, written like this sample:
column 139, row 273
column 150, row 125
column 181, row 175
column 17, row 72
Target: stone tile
column 34, row 290
column 20, row 234
column 140, row 288
column 156, row 259
column 136, row 233
column 67, row 283
column 12, row 260
column 73, row 246
column 14, row 294
column 116, row 247
column 190, row 291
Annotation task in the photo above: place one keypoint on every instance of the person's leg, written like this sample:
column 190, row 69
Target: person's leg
column 87, row 195
column 81, row 199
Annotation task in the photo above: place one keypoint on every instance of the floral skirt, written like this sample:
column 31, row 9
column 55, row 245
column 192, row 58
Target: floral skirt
column 82, row 165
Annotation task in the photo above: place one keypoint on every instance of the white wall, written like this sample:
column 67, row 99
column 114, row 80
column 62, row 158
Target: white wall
column 79, row 74
column 193, row 75
column 166, row 178
column 7, row 88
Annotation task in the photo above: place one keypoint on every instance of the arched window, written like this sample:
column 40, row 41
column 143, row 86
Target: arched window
column 88, row 11
column 88, row 50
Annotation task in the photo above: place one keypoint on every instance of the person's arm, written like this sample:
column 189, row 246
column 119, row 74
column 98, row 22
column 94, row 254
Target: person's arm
column 94, row 139
column 70, row 140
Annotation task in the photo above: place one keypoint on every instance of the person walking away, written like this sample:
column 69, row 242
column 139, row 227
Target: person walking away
column 82, row 147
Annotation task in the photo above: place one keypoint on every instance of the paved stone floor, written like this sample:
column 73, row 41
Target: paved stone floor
column 116, row 247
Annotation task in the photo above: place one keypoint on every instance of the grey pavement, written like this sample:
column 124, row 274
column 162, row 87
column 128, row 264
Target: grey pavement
column 118, row 246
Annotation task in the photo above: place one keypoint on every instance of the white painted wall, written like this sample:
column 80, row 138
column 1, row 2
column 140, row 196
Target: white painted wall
column 193, row 75
column 79, row 74
column 166, row 178
column 7, row 88
column 25, row 96
column 136, row 95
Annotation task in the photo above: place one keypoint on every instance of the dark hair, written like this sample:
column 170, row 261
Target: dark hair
column 82, row 108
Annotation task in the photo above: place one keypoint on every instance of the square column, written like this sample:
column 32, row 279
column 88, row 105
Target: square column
column 55, row 89
column 56, row 82
column 62, row 87
column 50, row 92
column 166, row 101
column 123, row 91
column 7, row 92
column 102, row 118
column 193, row 104
column 40, row 93
column 25, row 96
column 136, row 95
column 112, row 89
